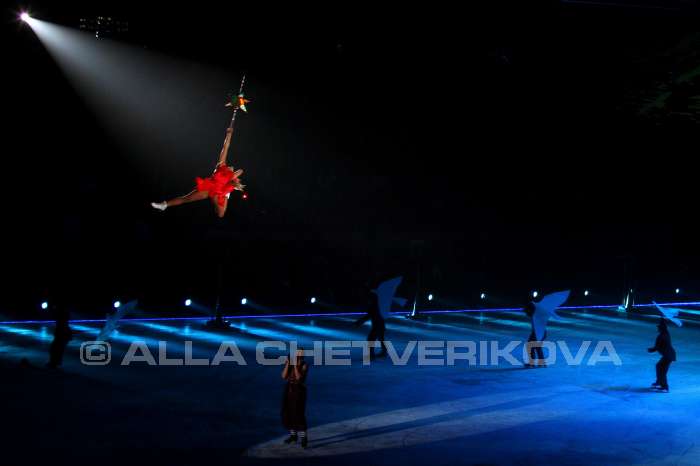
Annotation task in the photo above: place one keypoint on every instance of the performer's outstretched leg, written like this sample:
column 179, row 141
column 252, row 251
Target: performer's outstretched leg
column 193, row 196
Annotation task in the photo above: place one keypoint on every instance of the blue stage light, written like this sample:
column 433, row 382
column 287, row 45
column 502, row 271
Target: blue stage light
column 483, row 296
column 678, row 290
column 534, row 294
column 244, row 301
column 340, row 314
column 188, row 302
column 44, row 305
column 116, row 304
column 430, row 297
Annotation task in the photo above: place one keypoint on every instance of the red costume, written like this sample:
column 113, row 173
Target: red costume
column 220, row 184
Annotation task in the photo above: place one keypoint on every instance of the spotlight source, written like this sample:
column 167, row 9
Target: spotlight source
column 534, row 294
column 244, row 301
column 430, row 297
column 25, row 17
column 483, row 296
column 585, row 293
column 44, row 305
column 678, row 290
column 188, row 302
column 313, row 300
column 117, row 304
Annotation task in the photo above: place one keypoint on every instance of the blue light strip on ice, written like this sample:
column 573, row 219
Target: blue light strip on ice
column 334, row 314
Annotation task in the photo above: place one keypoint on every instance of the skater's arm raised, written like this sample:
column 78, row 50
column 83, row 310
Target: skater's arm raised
column 224, row 150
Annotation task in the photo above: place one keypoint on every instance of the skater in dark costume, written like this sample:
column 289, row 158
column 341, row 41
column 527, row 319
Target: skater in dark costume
column 294, row 399
column 539, row 314
column 376, row 333
column 536, row 354
column 668, row 355
column 62, row 335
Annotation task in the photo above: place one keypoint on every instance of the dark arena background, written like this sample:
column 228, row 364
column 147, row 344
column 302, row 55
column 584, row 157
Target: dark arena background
column 488, row 153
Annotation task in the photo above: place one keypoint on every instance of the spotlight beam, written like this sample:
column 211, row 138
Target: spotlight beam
column 140, row 95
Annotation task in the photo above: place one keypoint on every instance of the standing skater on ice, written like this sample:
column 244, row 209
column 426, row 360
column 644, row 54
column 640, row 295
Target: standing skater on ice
column 62, row 335
column 535, row 353
column 539, row 314
column 376, row 333
column 668, row 355
column 386, row 297
column 294, row 399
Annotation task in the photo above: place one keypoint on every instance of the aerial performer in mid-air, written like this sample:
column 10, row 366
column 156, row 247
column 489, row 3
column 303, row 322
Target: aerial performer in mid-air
column 225, row 179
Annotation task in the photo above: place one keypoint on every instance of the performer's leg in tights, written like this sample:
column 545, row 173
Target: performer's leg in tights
column 193, row 196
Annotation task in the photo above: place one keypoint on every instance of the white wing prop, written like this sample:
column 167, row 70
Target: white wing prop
column 113, row 320
column 671, row 313
column 386, row 292
column 545, row 309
